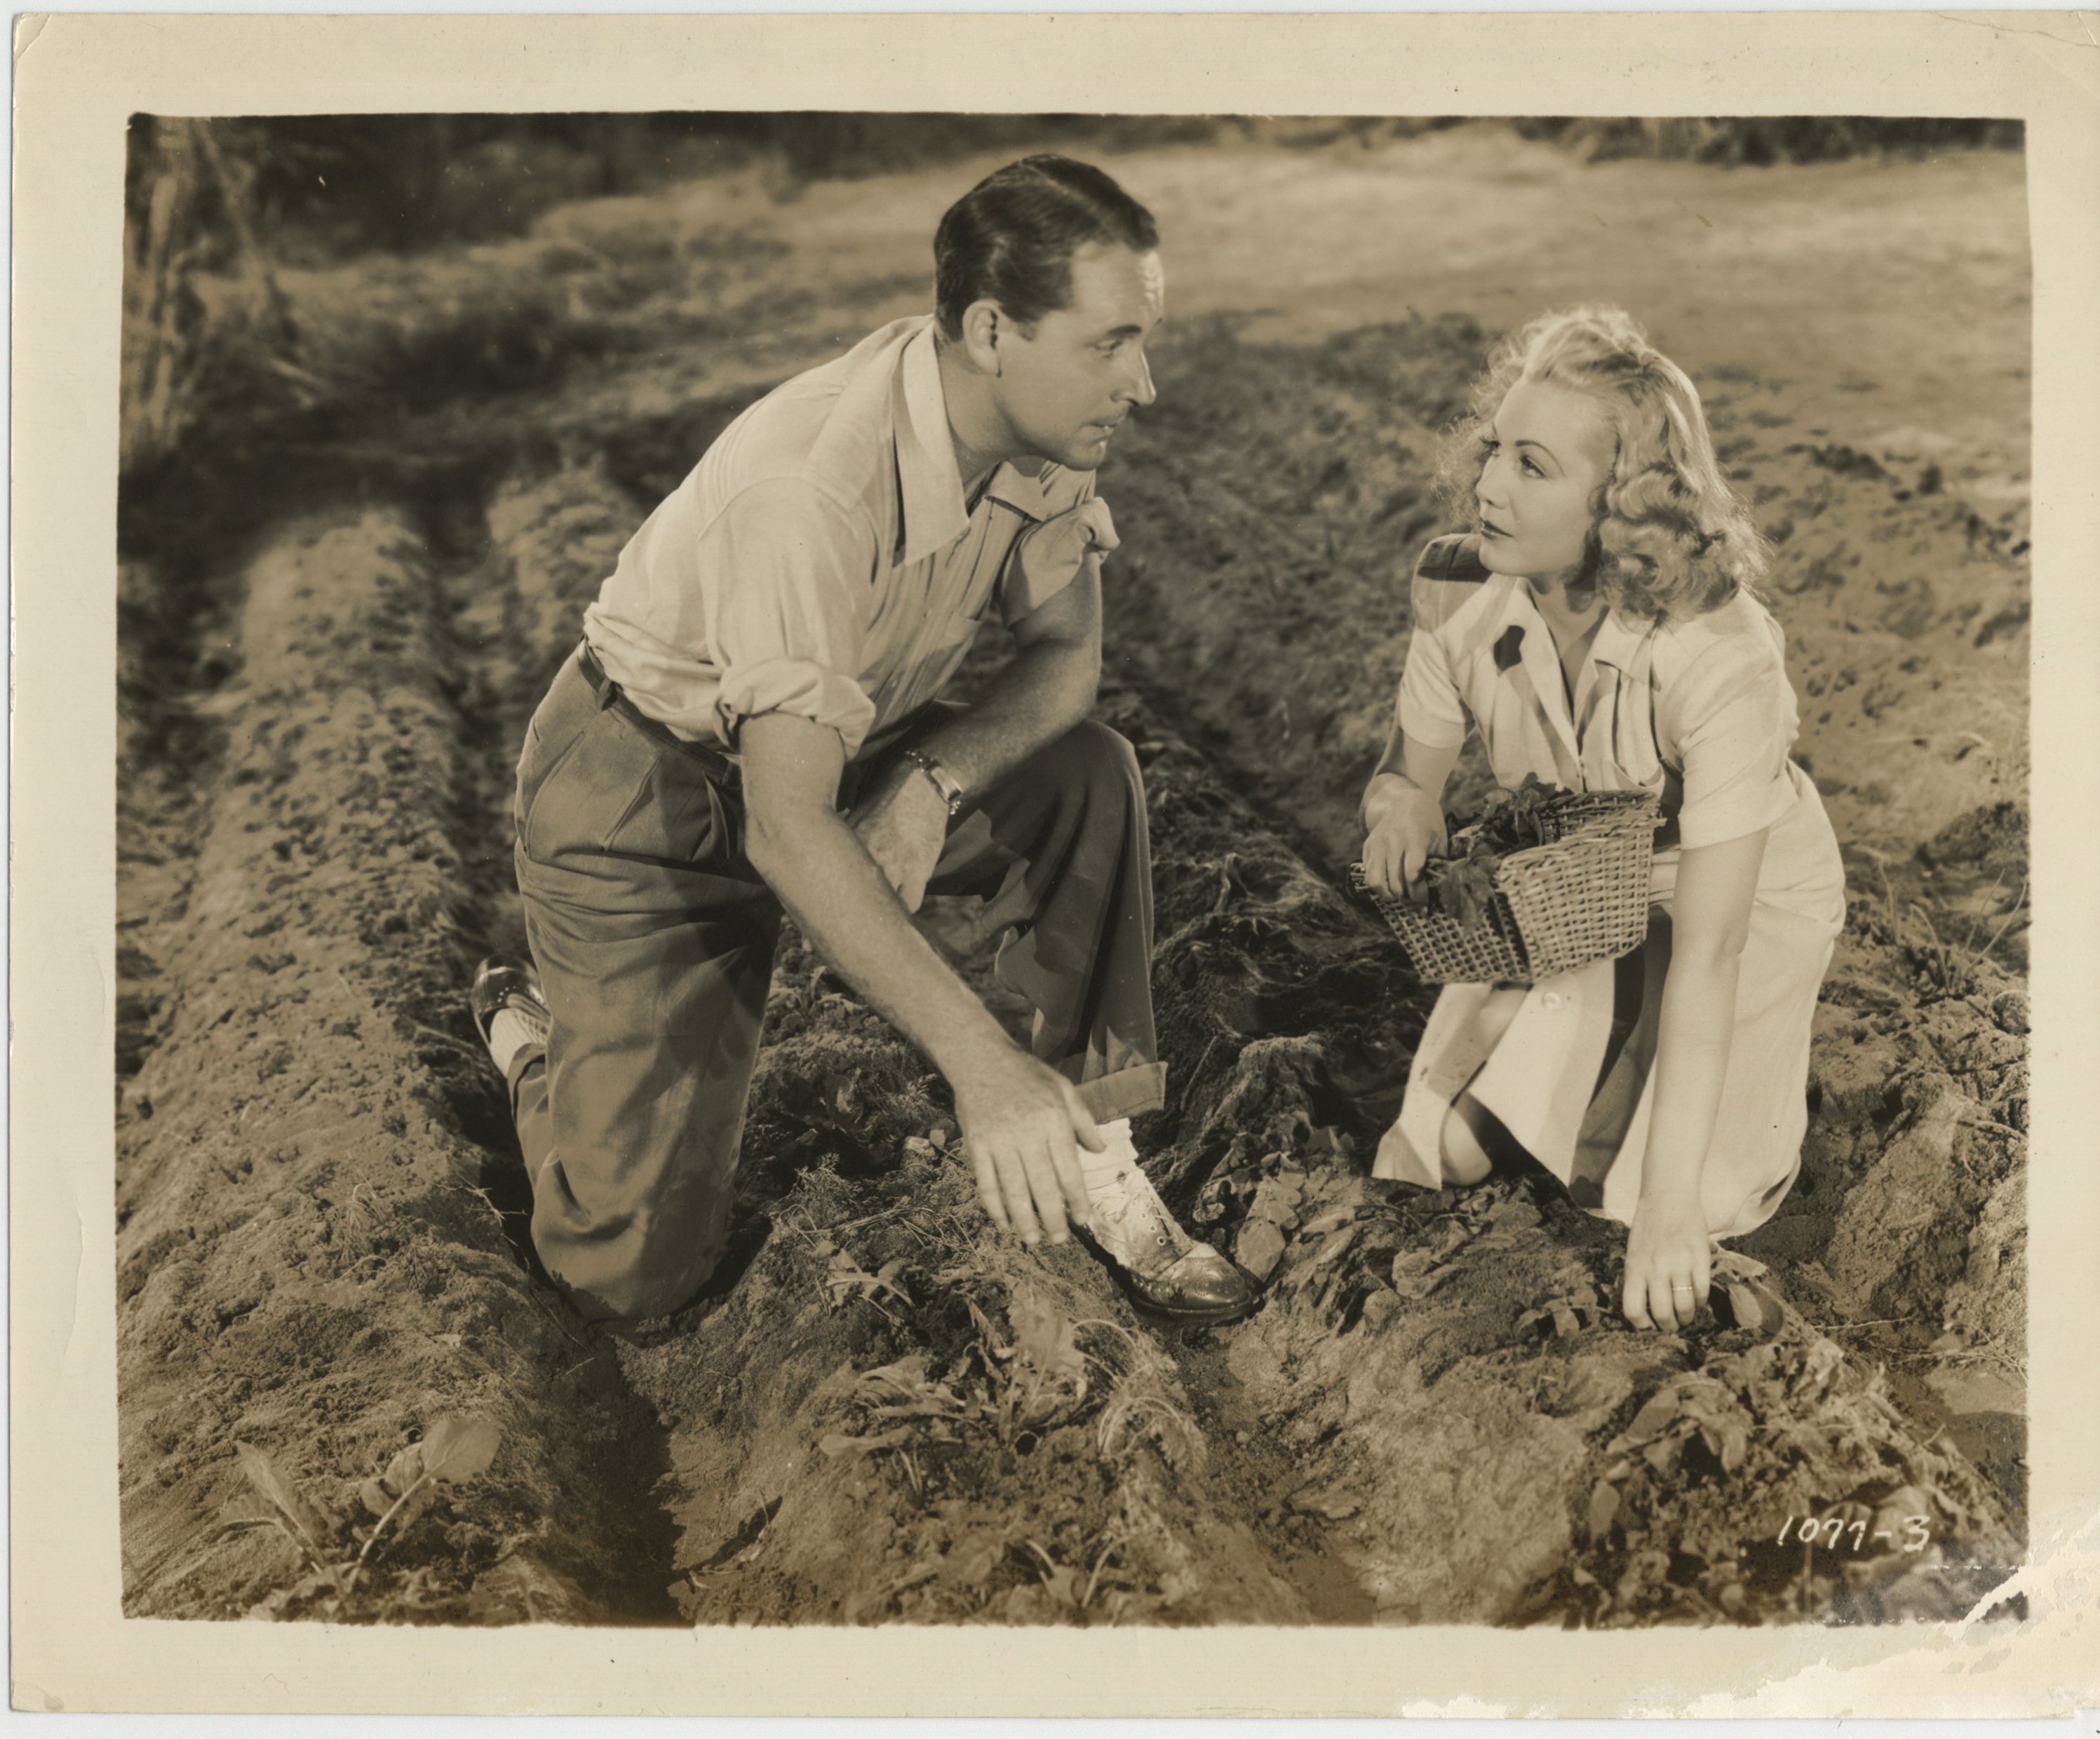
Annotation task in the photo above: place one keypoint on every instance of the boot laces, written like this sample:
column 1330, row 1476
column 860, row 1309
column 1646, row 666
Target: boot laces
column 524, row 1010
column 1129, row 1216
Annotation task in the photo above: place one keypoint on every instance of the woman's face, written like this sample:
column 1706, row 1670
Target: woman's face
column 1548, row 451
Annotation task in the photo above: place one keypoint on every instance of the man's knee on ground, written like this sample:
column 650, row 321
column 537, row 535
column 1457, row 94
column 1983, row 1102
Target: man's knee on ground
column 1093, row 753
column 637, row 1295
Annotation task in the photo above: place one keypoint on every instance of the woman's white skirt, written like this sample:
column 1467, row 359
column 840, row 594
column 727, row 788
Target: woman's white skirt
column 1572, row 1076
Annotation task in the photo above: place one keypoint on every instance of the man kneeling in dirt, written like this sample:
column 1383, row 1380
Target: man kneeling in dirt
column 750, row 724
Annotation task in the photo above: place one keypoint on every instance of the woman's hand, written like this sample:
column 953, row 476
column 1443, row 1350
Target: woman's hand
column 1668, row 1263
column 1406, row 830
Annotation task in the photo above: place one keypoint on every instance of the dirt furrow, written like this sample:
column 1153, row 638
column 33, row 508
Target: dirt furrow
column 305, row 1265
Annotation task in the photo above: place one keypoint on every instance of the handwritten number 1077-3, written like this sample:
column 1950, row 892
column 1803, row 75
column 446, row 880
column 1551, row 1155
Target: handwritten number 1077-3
column 1828, row 1532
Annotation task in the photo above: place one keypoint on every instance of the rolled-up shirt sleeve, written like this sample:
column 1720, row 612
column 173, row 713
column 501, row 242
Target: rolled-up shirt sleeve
column 1428, row 710
column 1730, row 716
column 1048, row 556
column 792, row 570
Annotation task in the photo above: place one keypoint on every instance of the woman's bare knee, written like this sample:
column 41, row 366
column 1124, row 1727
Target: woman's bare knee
column 1464, row 1159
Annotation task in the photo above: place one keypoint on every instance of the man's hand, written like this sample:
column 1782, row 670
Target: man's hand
column 1022, row 1126
column 903, row 826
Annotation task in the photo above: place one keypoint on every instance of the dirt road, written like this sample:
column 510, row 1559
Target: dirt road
column 883, row 1410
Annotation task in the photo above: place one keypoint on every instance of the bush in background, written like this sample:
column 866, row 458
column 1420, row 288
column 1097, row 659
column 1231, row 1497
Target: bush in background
column 217, row 209
column 1770, row 138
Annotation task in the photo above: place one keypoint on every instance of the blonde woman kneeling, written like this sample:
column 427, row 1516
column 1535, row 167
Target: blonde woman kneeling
column 1602, row 629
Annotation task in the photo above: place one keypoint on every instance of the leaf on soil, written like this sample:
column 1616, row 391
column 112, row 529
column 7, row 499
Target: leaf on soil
column 1514, row 1213
column 987, row 1333
column 1062, row 1583
column 1732, row 1264
column 1327, row 1139
column 376, row 1497
column 1446, row 1235
column 971, row 1563
column 1275, row 1203
column 1603, row 1510
column 1730, row 1440
column 1752, row 1307
column 904, row 1391
column 912, row 1577
column 905, row 1376
column 1416, row 1273
column 457, row 1448
column 1656, row 1415
column 838, row 1444
column 1259, row 1247
column 403, row 1470
column 1328, row 1222
column 1046, row 1338
column 844, row 1278
column 271, row 1480
column 1336, row 1247
column 1556, row 1316
column 403, row 1477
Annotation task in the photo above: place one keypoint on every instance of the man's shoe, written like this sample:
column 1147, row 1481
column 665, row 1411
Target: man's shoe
column 504, row 984
column 1164, row 1272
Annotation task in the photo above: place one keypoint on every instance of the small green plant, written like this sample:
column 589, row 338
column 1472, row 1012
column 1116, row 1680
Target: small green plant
column 1566, row 1313
column 845, row 1279
column 455, row 1449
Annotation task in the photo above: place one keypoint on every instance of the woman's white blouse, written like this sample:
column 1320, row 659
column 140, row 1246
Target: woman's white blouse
column 1699, row 712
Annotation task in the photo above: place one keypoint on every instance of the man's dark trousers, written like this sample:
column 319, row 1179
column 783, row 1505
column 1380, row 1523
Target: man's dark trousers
column 654, row 939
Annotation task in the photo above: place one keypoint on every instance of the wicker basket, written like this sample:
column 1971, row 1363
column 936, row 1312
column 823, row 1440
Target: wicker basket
column 1582, row 896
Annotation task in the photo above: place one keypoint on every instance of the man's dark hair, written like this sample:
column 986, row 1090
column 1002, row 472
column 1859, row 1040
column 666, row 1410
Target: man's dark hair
column 1012, row 237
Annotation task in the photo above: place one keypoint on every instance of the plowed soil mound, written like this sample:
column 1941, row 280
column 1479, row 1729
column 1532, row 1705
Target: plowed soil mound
column 883, row 1410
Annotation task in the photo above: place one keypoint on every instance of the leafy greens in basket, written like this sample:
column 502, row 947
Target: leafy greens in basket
column 1463, row 884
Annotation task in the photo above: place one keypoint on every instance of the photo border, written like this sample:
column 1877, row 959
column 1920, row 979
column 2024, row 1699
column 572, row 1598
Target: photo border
column 78, row 78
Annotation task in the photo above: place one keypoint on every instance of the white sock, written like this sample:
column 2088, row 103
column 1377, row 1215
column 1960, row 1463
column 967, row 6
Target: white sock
column 1118, row 1156
column 510, row 1031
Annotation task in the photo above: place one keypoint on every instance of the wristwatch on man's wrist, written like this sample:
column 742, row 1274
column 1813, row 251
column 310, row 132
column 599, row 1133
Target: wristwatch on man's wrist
column 944, row 781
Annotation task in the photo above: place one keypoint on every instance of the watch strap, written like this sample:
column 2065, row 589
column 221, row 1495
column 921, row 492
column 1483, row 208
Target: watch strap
column 944, row 781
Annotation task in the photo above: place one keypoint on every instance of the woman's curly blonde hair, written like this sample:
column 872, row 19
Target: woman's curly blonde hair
column 1669, row 539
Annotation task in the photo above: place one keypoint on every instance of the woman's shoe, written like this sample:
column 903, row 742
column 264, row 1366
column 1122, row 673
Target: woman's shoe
column 1164, row 1271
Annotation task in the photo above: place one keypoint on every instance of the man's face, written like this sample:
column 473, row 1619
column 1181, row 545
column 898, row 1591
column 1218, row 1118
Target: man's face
column 1066, row 390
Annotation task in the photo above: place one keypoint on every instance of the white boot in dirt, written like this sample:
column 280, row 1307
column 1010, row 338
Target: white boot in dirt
column 1166, row 1272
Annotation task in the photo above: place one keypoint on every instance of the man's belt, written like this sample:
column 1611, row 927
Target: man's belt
column 611, row 695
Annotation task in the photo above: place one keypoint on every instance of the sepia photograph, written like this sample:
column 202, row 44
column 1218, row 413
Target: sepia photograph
column 743, row 741
column 1201, row 869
